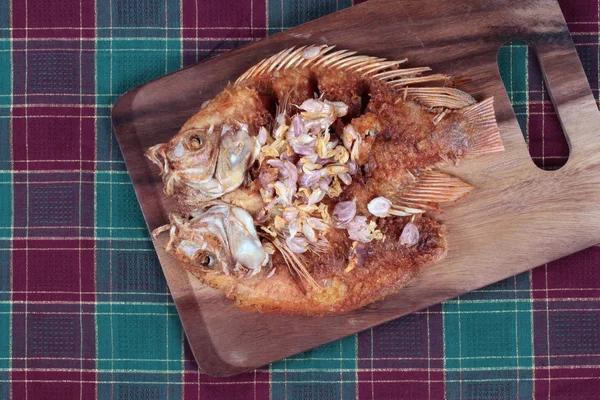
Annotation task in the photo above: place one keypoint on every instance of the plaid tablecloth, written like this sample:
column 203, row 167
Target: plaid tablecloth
column 84, row 308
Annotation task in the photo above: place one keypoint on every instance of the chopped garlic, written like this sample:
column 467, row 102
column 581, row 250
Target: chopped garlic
column 305, row 165
column 380, row 207
column 410, row 235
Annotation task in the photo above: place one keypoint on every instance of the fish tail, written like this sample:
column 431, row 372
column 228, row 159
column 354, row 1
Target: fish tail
column 486, row 136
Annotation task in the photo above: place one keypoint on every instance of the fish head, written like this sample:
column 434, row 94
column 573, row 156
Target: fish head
column 221, row 239
column 201, row 241
column 191, row 155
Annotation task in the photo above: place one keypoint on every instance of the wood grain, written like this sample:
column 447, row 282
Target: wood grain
column 519, row 216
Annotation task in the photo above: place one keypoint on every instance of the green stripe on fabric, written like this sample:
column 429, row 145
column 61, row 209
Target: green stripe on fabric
column 489, row 340
column 125, row 64
column 118, row 212
column 513, row 62
column 327, row 372
column 129, row 58
column 488, row 352
column 131, row 50
column 285, row 14
column 121, row 326
column 6, row 199
column 5, row 345
column 5, row 83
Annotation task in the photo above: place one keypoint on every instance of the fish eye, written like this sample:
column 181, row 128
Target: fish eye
column 196, row 142
column 205, row 259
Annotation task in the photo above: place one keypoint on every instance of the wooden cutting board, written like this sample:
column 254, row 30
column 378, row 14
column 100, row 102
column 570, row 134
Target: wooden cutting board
column 519, row 216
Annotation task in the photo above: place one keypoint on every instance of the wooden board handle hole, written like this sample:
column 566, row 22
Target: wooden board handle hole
column 526, row 88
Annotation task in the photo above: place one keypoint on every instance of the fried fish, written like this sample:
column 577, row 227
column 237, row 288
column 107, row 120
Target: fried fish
column 308, row 186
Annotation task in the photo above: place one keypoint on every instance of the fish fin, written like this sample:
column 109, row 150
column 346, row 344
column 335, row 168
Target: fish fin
column 440, row 97
column 411, row 80
column 295, row 264
column 290, row 57
column 428, row 190
column 485, row 137
column 400, row 73
column 156, row 232
column 321, row 57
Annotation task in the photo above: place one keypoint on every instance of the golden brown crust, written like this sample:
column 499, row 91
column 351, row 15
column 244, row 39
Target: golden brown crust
column 401, row 135
column 387, row 267
column 337, row 87
column 388, row 128
column 233, row 104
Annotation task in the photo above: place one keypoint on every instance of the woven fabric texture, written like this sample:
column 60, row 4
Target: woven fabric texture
column 84, row 309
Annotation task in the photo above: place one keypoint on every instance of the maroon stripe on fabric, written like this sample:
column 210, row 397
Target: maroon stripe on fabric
column 212, row 27
column 53, row 73
column 250, row 385
column 567, row 383
column 53, row 204
column 50, row 19
column 396, row 384
column 575, row 276
column 53, row 385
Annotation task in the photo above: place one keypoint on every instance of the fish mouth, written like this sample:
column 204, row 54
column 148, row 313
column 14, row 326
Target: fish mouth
column 198, row 174
column 197, row 178
column 157, row 154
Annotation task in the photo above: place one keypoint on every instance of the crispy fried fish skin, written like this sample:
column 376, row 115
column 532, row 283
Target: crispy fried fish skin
column 385, row 268
column 352, row 143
